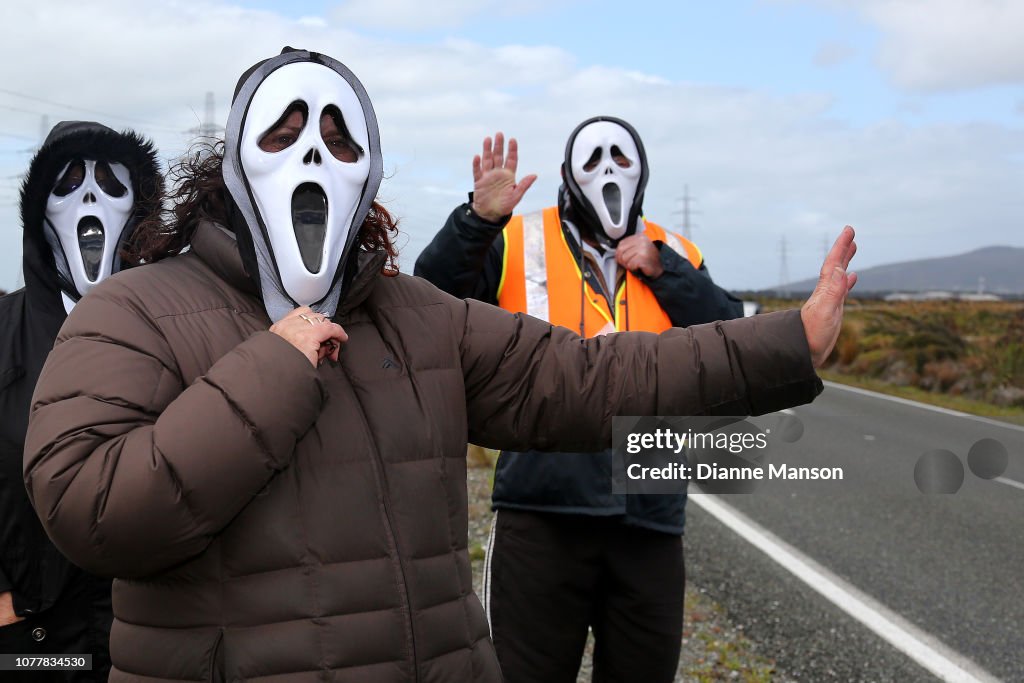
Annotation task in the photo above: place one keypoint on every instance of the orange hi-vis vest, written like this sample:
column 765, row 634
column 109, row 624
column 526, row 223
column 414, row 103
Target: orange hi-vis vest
column 540, row 276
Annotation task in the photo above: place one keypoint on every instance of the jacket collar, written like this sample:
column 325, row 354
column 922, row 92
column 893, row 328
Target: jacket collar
column 366, row 278
column 218, row 249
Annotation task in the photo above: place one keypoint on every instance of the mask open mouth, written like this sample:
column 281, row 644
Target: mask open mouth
column 309, row 220
column 613, row 201
column 90, row 245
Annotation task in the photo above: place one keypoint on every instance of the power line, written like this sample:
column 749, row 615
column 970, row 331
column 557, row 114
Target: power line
column 104, row 114
column 16, row 136
column 20, row 110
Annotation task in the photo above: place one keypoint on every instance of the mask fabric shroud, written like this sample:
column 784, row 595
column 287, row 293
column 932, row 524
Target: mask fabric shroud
column 606, row 175
column 85, row 218
column 303, row 207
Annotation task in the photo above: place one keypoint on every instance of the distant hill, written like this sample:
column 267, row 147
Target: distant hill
column 1002, row 268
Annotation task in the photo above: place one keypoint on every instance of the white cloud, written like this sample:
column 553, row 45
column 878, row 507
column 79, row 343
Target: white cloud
column 407, row 14
column 946, row 44
column 761, row 165
column 833, row 54
column 418, row 15
column 952, row 43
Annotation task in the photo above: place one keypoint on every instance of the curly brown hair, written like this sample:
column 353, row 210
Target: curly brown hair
column 199, row 194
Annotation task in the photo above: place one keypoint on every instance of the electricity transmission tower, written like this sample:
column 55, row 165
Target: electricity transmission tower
column 686, row 226
column 207, row 130
column 783, row 290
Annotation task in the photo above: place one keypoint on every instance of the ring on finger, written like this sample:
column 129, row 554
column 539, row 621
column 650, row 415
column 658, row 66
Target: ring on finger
column 307, row 318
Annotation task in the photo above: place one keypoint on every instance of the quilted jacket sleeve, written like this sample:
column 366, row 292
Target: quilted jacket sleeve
column 532, row 385
column 130, row 471
column 465, row 256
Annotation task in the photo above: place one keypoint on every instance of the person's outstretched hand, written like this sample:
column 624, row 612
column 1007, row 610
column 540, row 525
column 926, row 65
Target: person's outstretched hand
column 312, row 334
column 495, row 190
column 822, row 314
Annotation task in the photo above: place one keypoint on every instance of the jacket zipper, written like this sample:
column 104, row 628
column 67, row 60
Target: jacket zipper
column 398, row 555
column 382, row 480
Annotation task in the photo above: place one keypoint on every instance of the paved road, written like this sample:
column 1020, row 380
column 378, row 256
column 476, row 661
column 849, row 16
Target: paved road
column 952, row 565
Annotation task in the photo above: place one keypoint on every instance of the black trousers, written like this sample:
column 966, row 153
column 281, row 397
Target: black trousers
column 551, row 576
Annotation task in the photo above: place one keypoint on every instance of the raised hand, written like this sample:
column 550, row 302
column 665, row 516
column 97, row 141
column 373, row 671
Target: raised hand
column 495, row 190
column 822, row 314
column 312, row 334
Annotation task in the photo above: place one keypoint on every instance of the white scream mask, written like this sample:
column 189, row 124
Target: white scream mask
column 608, row 186
column 88, row 208
column 305, row 196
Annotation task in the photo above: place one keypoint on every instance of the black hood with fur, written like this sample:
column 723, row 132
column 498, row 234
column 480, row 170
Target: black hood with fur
column 80, row 140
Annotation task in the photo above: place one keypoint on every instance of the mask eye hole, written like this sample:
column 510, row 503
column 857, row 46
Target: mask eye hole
column 285, row 131
column 592, row 161
column 72, row 179
column 107, row 181
column 337, row 137
column 621, row 160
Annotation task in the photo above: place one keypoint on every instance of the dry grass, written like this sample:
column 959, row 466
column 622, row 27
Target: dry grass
column 946, row 352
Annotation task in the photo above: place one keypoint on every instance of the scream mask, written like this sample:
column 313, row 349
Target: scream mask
column 605, row 171
column 87, row 192
column 86, row 213
column 302, row 165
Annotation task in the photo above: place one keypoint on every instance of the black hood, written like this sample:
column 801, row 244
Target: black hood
column 66, row 141
column 245, row 219
column 577, row 208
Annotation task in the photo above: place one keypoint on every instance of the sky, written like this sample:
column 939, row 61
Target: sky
column 784, row 119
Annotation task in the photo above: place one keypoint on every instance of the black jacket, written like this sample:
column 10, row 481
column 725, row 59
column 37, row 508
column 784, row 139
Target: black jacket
column 31, row 568
column 465, row 259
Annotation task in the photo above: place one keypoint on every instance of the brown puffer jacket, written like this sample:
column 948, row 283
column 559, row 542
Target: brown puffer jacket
column 267, row 520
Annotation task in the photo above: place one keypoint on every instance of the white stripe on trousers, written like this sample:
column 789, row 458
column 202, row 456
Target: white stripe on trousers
column 488, row 556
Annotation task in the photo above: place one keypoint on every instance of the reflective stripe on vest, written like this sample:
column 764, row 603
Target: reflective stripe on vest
column 535, row 266
column 681, row 246
column 536, row 254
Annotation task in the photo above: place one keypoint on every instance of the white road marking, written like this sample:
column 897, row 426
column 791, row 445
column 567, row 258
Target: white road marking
column 923, row 648
column 1010, row 482
column 925, row 406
